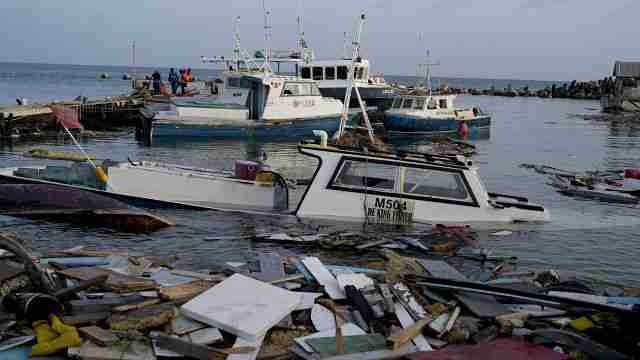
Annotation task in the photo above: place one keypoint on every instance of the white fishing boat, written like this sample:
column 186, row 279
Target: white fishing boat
column 253, row 100
column 256, row 103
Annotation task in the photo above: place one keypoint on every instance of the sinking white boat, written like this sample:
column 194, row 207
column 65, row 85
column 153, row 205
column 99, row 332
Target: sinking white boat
column 348, row 185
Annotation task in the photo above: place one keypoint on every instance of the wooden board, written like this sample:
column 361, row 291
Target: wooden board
column 406, row 321
column 98, row 335
column 116, row 281
column 103, row 305
column 184, row 291
column 485, row 306
column 183, row 325
column 205, row 336
column 136, row 350
column 242, row 306
column 87, row 318
column 324, row 278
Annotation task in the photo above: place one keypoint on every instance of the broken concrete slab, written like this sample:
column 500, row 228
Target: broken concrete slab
column 242, row 306
column 145, row 318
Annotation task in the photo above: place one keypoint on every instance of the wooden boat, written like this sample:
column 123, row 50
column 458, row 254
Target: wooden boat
column 57, row 203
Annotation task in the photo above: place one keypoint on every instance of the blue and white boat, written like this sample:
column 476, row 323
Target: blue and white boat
column 252, row 104
column 427, row 114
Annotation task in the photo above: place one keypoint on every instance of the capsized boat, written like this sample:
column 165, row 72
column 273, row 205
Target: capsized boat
column 594, row 190
column 63, row 204
column 420, row 113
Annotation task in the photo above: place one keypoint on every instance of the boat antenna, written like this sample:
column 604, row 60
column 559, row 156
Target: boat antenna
column 352, row 86
column 266, row 67
column 236, row 47
column 344, row 46
column 133, row 58
column 427, row 72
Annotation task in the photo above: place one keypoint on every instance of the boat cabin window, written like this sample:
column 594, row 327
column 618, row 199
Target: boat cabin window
column 233, row 82
column 407, row 103
column 443, row 103
column 329, row 73
column 317, row 73
column 343, row 72
column 358, row 71
column 419, row 104
column 396, row 103
column 432, row 105
column 434, row 183
column 300, row 89
column 305, row 73
column 356, row 174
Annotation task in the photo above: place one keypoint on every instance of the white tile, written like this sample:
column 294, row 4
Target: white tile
column 324, row 278
column 242, row 306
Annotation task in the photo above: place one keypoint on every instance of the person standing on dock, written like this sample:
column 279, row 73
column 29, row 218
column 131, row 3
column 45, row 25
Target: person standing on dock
column 183, row 82
column 156, row 82
column 173, row 80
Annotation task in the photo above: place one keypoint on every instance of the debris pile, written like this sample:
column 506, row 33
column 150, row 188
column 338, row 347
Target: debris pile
column 95, row 304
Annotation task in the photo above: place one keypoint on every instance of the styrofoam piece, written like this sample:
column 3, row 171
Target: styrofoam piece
column 307, row 300
column 348, row 329
column 360, row 281
column 322, row 318
column 257, row 343
column 405, row 320
column 324, row 278
column 242, row 306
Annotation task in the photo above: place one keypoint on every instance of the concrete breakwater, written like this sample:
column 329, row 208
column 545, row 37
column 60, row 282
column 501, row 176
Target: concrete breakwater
column 584, row 90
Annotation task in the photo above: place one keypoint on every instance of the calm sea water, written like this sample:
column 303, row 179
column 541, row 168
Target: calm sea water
column 593, row 239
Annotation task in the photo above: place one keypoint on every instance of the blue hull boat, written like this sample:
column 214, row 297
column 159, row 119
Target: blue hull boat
column 406, row 124
column 289, row 128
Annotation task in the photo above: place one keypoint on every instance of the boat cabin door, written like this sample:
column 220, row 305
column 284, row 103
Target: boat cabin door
column 257, row 100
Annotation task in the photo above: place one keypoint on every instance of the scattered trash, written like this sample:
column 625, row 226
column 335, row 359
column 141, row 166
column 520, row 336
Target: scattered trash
column 97, row 304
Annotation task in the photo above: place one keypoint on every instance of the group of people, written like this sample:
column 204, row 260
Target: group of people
column 178, row 80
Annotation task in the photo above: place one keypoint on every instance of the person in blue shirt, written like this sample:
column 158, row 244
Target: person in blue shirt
column 173, row 80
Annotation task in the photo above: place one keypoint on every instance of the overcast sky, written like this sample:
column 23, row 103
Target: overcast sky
column 524, row 39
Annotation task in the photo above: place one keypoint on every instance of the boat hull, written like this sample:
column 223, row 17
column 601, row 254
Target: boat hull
column 289, row 128
column 406, row 124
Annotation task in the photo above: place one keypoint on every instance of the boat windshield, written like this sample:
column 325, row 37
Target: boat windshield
column 363, row 175
column 428, row 182
column 396, row 103
column 419, row 104
column 407, row 103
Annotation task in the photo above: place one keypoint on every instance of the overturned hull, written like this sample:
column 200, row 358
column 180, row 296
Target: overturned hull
column 56, row 203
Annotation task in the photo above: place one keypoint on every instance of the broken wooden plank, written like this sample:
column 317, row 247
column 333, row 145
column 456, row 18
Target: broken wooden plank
column 406, row 321
column 145, row 318
column 242, row 306
column 324, row 278
column 104, row 304
column 68, row 293
column 184, row 292
column 199, row 276
column 205, row 336
column 408, row 334
column 372, row 244
column 135, row 350
column 140, row 305
column 182, row 325
column 98, row 335
column 480, row 305
column 116, row 281
column 197, row 351
column 87, row 318
column 357, row 299
column 287, row 279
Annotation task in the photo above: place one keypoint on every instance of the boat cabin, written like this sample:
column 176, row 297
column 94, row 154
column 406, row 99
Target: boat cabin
column 431, row 105
column 334, row 70
column 405, row 188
